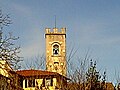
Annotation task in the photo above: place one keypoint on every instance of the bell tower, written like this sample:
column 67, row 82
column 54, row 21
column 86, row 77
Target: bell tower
column 56, row 50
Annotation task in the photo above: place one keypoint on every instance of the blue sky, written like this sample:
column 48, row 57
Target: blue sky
column 91, row 24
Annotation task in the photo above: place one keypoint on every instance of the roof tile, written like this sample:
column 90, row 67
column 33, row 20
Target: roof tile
column 35, row 72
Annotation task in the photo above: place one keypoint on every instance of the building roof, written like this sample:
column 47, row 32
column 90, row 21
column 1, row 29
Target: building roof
column 109, row 86
column 26, row 73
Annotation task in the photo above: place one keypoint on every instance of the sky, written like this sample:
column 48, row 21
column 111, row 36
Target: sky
column 92, row 25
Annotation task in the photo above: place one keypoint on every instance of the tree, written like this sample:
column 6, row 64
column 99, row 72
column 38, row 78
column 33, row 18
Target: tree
column 117, row 75
column 87, row 77
column 93, row 77
column 9, row 55
column 77, row 73
column 95, row 81
column 38, row 62
column 8, row 50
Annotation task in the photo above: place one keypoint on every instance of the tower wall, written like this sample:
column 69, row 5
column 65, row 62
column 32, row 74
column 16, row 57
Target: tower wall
column 56, row 50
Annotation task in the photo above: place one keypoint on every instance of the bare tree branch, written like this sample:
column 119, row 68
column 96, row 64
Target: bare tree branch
column 9, row 52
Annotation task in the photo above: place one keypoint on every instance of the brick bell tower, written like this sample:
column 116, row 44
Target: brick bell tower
column 56, row 50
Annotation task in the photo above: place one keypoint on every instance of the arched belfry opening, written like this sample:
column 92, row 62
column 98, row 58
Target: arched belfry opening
column 55, row 49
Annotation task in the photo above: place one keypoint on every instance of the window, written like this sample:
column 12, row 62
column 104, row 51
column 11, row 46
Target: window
column 21, row 82
column 31, row 83
column 56, row 65
column 43, row 83
column 25, row 83
column 49, row 82
column 55, row 50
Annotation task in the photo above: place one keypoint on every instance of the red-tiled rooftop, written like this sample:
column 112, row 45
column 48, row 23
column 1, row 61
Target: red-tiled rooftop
column 35, row 73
